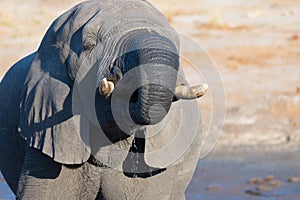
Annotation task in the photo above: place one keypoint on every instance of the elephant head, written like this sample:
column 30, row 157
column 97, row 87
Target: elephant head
column 157, row 55
column 87, row 44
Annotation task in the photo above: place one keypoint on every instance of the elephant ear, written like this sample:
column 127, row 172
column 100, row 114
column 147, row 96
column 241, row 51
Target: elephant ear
column 46, row 119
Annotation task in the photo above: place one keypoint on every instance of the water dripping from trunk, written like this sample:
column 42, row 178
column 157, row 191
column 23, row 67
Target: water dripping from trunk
column 134, row 165
column 134, row 158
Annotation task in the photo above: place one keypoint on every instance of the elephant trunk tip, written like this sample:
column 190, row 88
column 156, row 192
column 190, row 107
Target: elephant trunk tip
column 148, row 107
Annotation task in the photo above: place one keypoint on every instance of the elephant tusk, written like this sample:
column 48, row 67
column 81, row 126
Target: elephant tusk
column 106, row 87
column 194, row 92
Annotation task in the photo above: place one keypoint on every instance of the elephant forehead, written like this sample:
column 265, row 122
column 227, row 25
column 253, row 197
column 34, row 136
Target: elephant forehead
column 106, row 18
column 72, row 20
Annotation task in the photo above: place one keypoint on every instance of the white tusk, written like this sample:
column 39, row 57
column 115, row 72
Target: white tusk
column 194, row 92
column 106, row 87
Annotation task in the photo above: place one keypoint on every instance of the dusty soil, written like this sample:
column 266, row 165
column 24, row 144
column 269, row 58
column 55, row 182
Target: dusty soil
column 256, row 48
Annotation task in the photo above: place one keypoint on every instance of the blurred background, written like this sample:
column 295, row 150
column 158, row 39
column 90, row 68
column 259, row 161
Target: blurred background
column 256, row 48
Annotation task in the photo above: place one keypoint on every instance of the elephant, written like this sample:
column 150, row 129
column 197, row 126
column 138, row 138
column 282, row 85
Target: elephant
column 102, row 109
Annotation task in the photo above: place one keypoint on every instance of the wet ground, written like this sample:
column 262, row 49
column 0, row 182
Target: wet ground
column 256, row 48
column 240, row 174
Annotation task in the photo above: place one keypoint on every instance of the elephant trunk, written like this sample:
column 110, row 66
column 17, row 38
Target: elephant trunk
column 151, row 102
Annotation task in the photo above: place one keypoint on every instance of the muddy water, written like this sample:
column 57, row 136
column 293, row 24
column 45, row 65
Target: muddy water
column 228, row 175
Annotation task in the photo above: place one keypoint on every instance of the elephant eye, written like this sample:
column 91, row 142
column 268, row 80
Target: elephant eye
column 88, row 43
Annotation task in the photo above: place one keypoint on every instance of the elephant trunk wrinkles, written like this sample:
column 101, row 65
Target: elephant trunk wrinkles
column 154, row 102
column 150, row 103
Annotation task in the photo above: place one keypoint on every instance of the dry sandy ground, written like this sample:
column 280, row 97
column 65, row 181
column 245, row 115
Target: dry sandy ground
column 256, row 48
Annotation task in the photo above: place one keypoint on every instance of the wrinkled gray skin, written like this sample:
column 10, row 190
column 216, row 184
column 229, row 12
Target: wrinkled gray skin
column 43, row 154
